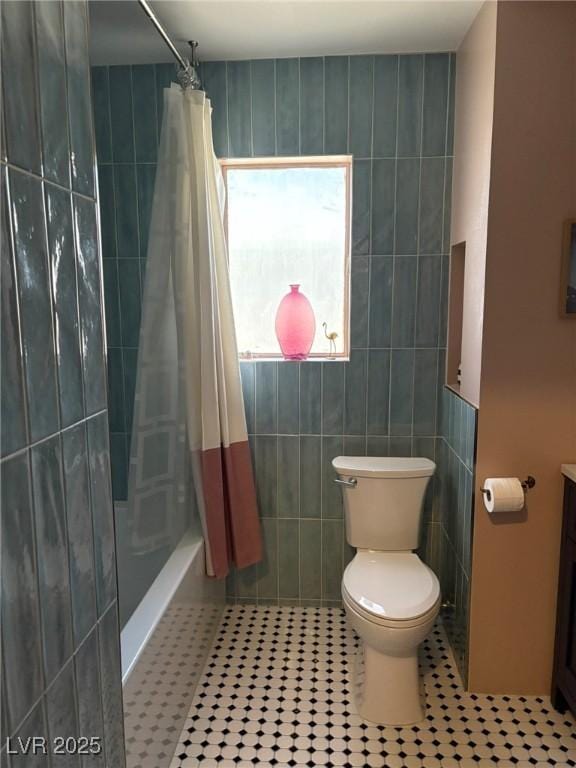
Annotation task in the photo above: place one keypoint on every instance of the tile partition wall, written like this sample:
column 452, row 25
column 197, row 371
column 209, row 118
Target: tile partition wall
column 394, row 114
column 450, row 536
column 60, row 640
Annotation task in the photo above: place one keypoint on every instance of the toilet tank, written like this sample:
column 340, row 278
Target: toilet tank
column 383, row 500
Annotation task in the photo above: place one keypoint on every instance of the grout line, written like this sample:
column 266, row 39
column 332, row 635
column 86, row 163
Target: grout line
column 373, row 60
column 322, row 459
column 275, row 108
column 137, row 206
column 153, row 162
column 45, row 180
column 348, row 107
column 367, row 358
column 251, row 102
column 299, row 107
column 45, row 439
column 448, row 104
column 371, row 243
column 109, row 110
column 344, row 436
column 299, row 509
column 275, row 112
column 227, row 94
column 436, row 391
column 418, row 240
column 276, row 366
column 394, row 248
column 256, row 441
column 443, row 233
column 157, row 126
column 323, row 105
column 299, row 482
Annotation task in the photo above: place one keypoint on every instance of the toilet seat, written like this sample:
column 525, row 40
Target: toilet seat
column 391, row 588
column 390, row 623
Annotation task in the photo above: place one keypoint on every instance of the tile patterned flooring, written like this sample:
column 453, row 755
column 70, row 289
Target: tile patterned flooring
column 276, row 692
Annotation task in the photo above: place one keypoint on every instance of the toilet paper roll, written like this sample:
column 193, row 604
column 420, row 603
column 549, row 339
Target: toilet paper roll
column 506, row 494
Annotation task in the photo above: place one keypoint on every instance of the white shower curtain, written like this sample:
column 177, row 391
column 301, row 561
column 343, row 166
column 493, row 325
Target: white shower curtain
column 189, row 412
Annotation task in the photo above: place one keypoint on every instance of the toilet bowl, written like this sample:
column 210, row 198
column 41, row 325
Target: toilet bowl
column 390, row 596
column 391, row 601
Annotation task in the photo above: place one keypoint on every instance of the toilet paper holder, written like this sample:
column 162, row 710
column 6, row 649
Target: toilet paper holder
column 530, row 482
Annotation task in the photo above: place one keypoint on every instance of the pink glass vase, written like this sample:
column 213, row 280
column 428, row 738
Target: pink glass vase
column 295, row 325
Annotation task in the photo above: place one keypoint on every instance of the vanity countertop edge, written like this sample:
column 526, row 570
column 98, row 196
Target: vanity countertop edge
column 569, row 471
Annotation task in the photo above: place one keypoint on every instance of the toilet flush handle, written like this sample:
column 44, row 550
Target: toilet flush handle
column 350, row 482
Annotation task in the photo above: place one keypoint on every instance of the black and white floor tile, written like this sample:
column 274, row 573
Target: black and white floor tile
column 276, row 691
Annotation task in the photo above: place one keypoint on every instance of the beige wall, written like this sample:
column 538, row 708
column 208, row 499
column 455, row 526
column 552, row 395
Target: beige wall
column 474, row 105
column 527, row 417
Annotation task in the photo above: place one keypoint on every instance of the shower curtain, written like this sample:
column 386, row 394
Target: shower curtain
column 189, row 427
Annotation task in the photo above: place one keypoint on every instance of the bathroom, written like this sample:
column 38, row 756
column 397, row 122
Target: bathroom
column 313, row 505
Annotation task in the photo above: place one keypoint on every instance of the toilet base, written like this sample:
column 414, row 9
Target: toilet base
column 387, row 688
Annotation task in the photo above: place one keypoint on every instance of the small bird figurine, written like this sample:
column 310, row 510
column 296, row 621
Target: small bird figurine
column 331, row 338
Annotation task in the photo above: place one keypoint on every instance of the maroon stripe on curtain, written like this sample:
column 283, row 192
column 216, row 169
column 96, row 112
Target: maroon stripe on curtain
column 232, row 522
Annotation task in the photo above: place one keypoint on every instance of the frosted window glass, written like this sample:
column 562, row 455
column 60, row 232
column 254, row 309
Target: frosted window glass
column 287, row 225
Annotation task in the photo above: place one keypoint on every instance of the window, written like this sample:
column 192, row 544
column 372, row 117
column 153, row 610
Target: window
column 288, row 222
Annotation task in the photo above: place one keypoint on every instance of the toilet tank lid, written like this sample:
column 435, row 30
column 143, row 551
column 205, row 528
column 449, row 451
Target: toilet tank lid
column 383, row 466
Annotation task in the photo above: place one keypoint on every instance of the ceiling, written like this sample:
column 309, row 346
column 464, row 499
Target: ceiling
column 235, row 29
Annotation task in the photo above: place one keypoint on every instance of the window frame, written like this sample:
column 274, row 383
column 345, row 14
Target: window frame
column 308, row 161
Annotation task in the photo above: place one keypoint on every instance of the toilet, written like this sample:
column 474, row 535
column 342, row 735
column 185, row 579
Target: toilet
column 390, row 596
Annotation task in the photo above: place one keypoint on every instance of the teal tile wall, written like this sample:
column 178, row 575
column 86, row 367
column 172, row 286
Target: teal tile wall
column 450, row 535
column 59, row 609
column 394, row 114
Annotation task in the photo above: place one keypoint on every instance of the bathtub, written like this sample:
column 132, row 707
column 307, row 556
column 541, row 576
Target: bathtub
column 164, row 646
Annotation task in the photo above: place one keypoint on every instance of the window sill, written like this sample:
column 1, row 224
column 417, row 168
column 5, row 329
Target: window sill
column 318, row 359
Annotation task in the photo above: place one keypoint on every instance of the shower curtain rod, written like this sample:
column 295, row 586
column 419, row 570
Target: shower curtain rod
column 154, row 19
column 187, row 75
